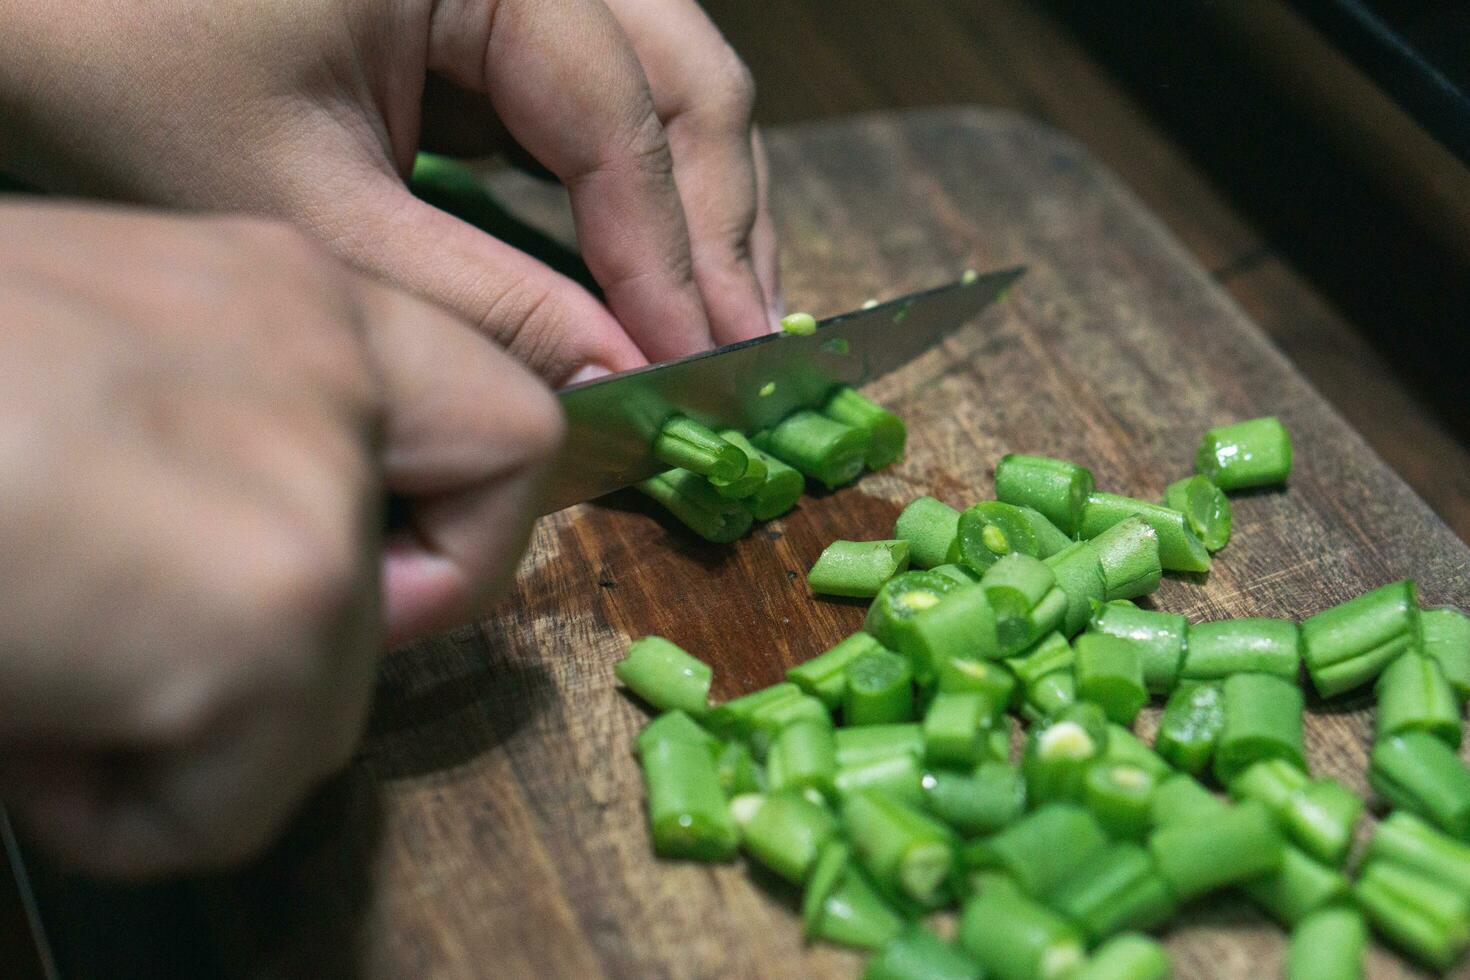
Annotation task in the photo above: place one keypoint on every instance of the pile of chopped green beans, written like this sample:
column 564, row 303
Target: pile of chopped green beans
column 880, row 776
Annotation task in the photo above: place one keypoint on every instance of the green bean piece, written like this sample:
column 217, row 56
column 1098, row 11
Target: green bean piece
column 768, row 720
column 880, row 690
column 1180, row 799
column 1110, row 674
column 1158, row 636
column 899, row 777
column 930, row 527
column 955, row 729
column 962, row 625
column 1328, row 945
column 803, row 755
column 781, row 488
column 1205, row 508
column 1129, row 554
column 738, row 771
column 1016, row 938
column 885, row 431
column 1404, row 839
column 1300, row 886
column 991, row 798
column 984, row 676
column 1349, row 645
column 857, row 569
column 1050, row 653
column 1202, row 855
column 890, row 617
column 1024, row 596
column 841, row 906
column 1417, row 772
column 868, row 743
column 908, row 853
column 1127, row 957
column 678, row 726
column 824, row 676
column 823, row 449
column 959, row 573
column 799, row 324
column 1416, row 913
column 1117, row 890
column 1054, row 487
column 783, row 831
column 695, row 502
column 1121, row 797
column 1263, row 720
column 1040, row 850
column 1318, row 814
column 1060, row 751
column 748, row 482
column 733, row 719
column 1447, row 640
column 1243, row 646
column 1254, row 453
column 918, row 954
column 1414, row 696
column 1049, row 694
column 687, row 814
column 1080, row 576
column 665, row 676
column 1126, row 748
column 686, row 444
column 1190, row 726
column 991, row 530
column 1180, row 549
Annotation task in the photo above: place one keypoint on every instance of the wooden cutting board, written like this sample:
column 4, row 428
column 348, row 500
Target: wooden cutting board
column 493, row 824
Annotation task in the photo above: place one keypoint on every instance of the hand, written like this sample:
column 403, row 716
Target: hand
column 199, row 422
column 311, row 111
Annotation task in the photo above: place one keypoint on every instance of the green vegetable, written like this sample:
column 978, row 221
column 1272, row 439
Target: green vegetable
column 959, row 573
column 1263, row 720
column 1060, row 751
column 857, row 568
column 1447, row 640
column 665, row 676
column 955, row 729
column 1016, row 938
column 918, row 954
column 783, row 831
column 734, row 718
column 840, row 906
column 1206, row 510
column 1180, row 549
column 885, row 431
column 897, row 776
column 1158, row 636
column 1049, row 694
column 1413, row 695
column 778, row 492
column 1110, row 675
column 1056, row 488
column 984, row 802
column 1120, row 796
column 1080, row 576
column 1298, row 887
column 825, row 676
column 1404, row 839
column 930, row 527
column 1190, row 726
column 1127, row 957
column 1328, row 945
column 991, row 530
column 1201, row 855
column 1129, row 554
column 984, row 676
column 686, row 444
column 962, row 625
column 1180, row 799
column 803, row 755
column 1255, row 453
column 1117, row 890
column 880, row 689
column 1050, row 653
column 1318, row 814
column 799, row 324
column 738, row 771
column 1023, row 594
column 686, row 806
column 1239, row 646
column 1125, row 748
column 1416, row 913
column 1417, row 772
column 698, row 505
column 823, row 449
column 868, row 743
column 1348, row 645
column 678, row 726
column 890, row 617
column 1040, row 851
column 907, row 852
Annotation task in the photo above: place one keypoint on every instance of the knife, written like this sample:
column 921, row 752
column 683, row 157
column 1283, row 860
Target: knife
column 750, row 385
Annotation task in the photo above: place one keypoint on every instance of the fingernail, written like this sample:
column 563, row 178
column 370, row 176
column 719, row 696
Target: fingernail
column 588, row 373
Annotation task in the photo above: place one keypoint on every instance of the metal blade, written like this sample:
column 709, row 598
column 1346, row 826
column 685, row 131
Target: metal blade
column 612, row 421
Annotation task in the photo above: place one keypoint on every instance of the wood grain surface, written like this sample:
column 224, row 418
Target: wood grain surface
column 493, row 823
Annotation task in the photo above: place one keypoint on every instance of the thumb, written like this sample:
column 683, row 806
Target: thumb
column 545, row 320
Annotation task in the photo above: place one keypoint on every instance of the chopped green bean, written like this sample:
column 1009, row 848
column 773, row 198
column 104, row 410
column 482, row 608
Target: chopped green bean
column 955, row 727
column 1263, row 720
column 1050, row 653
column 867, row 743
column 1049, row 694
column 959, row 573
column 1016, row 938
column 1416, row 913
column 799, row 324
column 991, row 530
column 857, row 568
column 825, row 676
column 1047, row 846
column 1159, row 637
column 768, row 720
column 1447, row 640
column 890, row 617
column 1126, row 748
column 678, row 725
column 984, row 676
column 665, row 676
column 840, row 906
column 783, row 831
column 1181, row 798
column 1413, row 695
column 1117, row 890
column 738, row 771
column 1080, row 576
column 885, row 431
column 1120, row 796
column 1206, row 510
column 1202, row 855
column 780, row 489
column 1300, row 886
column 1127, row 957
column 1056, row 488
column 908, row 853
column 1110, row 675
column 687, row 814
column 1417, row 772
column 1254, row 453
column 686, row 444
column 803, row 755
column 1348, row 645
column 1318, row 814
column 821, row 448
column 1190, row 725
column 695, row 502
column 1240, row 646
column 1407, row 840
column 733, row 719
column 880, row 689
column 918, row 954
column 993, row 797
column 1129, row 553
column 1059, row 752
column 962, row 625
column 1180, row 549
column 930, row 527
column 1328, row 945
column 1024, row 596
column 899, row 777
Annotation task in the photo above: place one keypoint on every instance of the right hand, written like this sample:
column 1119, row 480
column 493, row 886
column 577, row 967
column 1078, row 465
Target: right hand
column 199, row 423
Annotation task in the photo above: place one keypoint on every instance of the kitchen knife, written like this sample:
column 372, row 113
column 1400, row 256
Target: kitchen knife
column 751, row 385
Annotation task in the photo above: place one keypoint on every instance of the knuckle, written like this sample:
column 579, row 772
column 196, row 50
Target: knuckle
column 308, row 578
column 646, row 144
column 734, row 88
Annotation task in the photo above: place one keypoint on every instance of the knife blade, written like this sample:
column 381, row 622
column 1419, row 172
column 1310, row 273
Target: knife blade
column 751, row 385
